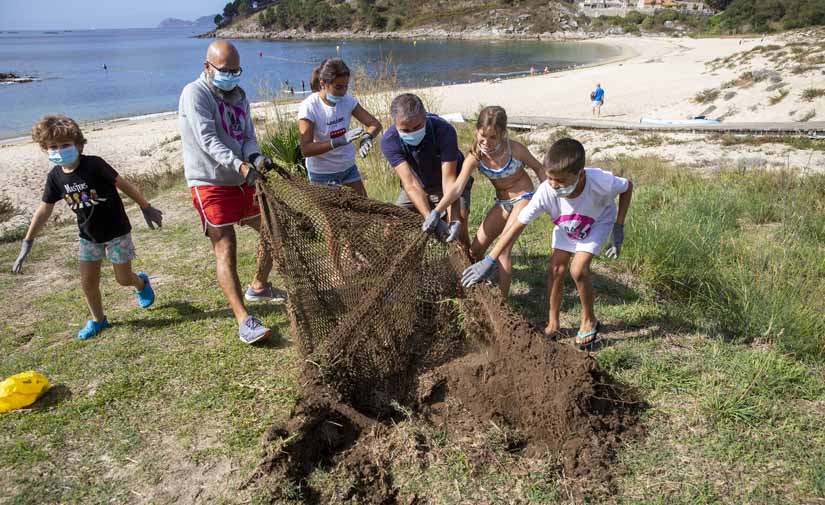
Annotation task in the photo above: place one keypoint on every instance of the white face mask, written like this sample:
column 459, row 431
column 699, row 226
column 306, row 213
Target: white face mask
column 566, row 191
column 488, row 152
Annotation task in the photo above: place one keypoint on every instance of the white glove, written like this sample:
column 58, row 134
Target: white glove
column 347, row 138
column 366, row 146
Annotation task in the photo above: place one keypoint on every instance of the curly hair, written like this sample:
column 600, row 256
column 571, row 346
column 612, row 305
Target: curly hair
column 52, row 128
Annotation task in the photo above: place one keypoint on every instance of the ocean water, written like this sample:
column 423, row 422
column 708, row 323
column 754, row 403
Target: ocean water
column 147, row 68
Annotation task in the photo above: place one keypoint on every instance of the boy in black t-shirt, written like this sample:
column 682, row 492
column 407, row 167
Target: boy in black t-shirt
column 89, row 186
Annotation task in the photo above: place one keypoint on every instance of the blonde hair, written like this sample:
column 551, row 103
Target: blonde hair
column 52, row 128
column 494, row 116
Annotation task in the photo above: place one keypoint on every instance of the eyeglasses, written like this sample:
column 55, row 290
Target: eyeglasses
column 234, row 73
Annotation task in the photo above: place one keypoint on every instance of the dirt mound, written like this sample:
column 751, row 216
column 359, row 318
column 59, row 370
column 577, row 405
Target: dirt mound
column 388, row 332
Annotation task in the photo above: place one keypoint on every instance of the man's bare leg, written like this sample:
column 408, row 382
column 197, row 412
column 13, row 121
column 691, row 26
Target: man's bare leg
column 224, row 245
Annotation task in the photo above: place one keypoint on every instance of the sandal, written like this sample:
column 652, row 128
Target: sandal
column 586, row 340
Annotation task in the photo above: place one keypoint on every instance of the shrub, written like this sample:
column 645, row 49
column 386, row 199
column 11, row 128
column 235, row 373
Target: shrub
column 741, row 249
column 706, row 96
column 811, row 94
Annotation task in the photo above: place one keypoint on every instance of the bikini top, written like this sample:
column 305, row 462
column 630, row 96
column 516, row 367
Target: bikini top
column 513, row 165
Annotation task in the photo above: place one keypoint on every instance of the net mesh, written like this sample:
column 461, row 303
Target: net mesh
column 381, row 319
column 372, row 299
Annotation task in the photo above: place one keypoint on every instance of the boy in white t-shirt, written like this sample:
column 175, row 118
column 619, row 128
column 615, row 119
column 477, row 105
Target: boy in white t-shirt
column 582, row 203
column 324, row 125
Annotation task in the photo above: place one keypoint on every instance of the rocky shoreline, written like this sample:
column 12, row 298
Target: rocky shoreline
column 419, row 34
column 12, row 78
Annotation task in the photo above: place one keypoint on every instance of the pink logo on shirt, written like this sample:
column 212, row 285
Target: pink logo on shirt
column 576, row 226
column 236, row 117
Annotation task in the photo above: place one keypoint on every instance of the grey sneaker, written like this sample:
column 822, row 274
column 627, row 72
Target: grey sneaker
column 267, row 294
column 253, row 330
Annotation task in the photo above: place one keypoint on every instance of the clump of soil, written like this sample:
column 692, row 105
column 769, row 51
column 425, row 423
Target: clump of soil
column 412, row 344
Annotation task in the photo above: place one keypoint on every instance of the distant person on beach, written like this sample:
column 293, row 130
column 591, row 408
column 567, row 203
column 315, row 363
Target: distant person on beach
column 324, row 118
column 546, row 70
column 303, row 86
column 597, row 99
column 223, row 163
column 532, row 70
column 503, row 161
column 582, row 204
column 90, row 187
column 105, row 67
column 423, row 150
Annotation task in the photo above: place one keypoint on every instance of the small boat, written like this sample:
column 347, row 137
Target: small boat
column 678, row 122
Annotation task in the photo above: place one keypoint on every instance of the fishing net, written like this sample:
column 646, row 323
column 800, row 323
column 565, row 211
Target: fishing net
column 382, row 322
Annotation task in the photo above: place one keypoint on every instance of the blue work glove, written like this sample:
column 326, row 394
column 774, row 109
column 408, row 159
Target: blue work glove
column 25, row 249
column 152, row 216
column 431, row 221
column 478, row 272
column 455, row 229
column 617, row 238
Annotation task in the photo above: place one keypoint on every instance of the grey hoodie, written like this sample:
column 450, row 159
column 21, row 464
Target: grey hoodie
column 217, row 133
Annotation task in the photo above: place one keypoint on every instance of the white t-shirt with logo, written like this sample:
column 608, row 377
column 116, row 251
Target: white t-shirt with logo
column 329, row 123
column 578, row 216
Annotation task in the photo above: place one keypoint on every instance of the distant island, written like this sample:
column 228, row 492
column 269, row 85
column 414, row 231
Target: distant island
column 201, row 22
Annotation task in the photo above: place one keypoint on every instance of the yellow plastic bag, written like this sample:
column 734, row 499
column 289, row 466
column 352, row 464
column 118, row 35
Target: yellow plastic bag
column 21, row 390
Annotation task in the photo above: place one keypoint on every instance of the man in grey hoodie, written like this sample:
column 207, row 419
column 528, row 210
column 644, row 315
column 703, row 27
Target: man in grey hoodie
column 222, row 163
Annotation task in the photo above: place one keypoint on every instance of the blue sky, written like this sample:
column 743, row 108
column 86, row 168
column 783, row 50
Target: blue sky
column 80, row 14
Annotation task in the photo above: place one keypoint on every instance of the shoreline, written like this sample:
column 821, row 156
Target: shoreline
column 650, row 77
column 432, row 34
column 625, row 52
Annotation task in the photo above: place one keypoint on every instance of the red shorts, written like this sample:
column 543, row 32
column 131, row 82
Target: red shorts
column 224, row 205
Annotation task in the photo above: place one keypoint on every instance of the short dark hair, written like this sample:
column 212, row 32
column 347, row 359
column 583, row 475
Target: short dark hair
column 407, row 106
column 565, row 155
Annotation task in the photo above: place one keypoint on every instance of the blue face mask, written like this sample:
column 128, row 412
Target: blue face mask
column 65, row 156
column 225, row 80
column 334, row 99
column 413, row 138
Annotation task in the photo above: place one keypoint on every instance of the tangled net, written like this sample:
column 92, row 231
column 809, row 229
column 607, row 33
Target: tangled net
column 384, row 325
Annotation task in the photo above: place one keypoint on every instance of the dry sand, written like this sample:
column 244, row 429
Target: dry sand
column 654, row 77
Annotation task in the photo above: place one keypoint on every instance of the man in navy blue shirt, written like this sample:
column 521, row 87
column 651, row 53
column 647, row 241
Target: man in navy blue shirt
column 423, row 150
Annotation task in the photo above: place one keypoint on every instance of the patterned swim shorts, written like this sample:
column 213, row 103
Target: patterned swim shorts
column 118, row 250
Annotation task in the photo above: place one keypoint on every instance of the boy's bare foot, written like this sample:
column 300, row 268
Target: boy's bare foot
column 552, row 331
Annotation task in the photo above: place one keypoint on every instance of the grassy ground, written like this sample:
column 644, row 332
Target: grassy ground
column 168, row 406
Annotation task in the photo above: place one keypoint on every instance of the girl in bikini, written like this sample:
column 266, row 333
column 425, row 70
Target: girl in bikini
column 502, row 160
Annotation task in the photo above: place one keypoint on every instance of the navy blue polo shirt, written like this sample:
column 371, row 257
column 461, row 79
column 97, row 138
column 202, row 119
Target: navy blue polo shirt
column 440, row 145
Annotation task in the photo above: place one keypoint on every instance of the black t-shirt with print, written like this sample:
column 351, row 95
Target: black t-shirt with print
column 90, row 192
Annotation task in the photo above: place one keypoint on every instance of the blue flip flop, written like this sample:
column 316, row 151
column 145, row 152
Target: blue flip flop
column 593, row 335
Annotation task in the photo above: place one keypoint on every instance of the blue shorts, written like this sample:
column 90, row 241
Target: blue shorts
column 347, row 176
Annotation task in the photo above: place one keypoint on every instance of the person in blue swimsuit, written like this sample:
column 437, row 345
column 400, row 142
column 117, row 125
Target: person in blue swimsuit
column 502, row 161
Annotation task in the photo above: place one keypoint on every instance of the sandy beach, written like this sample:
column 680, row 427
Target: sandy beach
column 654, row 77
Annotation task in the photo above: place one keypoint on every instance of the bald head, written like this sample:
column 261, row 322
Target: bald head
column 223, row 55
